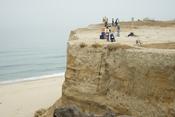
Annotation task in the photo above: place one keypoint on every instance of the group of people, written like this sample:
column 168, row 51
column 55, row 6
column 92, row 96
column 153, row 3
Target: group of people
column 110, row 31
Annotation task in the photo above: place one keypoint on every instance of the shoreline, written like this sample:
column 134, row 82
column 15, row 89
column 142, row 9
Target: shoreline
column 28, row 79
column 24, row 98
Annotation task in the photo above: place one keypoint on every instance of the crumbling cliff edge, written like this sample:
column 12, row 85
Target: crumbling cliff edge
column 120, row 76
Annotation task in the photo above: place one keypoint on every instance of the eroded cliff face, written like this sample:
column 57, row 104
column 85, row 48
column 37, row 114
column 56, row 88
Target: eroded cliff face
column 124, row 79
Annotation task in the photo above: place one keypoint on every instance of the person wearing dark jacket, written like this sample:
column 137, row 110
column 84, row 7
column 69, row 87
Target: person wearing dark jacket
column 113, row 23
column 112, row 37
column 118, row 30
column 116, row 22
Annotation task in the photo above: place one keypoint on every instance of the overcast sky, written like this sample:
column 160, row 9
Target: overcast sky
column 31, row 21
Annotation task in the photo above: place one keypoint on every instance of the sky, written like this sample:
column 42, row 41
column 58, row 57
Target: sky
column 34, row 23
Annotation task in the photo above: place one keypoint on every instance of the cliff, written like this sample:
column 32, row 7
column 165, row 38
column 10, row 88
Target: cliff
column 122, row 77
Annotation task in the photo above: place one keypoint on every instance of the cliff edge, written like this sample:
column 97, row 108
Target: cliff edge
column 122, row 77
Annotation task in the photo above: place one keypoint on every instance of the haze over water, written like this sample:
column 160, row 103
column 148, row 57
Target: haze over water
column 33, row 33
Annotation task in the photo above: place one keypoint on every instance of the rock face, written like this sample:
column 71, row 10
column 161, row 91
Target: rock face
column 73, row 111
column 68, row 112
column 124, row 79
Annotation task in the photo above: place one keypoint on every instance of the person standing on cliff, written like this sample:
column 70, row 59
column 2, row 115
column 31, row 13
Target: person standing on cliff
column 113, row 23
column 105, row 21
column 118, row 30
column 116, row 22
column 107, row 33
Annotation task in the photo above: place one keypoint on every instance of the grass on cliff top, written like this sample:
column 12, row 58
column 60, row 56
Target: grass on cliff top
column 109, row 46
column 160, row 45
column 115, row 46
column 96, row 45
column 82, row 45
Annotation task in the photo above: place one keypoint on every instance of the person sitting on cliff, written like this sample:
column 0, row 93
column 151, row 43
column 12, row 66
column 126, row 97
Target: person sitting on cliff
column 112, row 38
column 107, row 33
column 131, row 34
column 102, row 36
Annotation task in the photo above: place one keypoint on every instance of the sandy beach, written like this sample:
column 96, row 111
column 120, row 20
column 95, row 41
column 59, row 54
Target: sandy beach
column 24, row 98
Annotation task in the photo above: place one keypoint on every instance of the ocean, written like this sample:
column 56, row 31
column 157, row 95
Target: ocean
column 31, row 63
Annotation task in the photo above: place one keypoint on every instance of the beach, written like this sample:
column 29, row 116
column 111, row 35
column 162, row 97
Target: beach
column 22, row 99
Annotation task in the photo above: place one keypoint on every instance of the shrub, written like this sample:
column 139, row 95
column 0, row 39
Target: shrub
column 82, row 45
column 39, row 112
column 113, row 47
column 96, row 45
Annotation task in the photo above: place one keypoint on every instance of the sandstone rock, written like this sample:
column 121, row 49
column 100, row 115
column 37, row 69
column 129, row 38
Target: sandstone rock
column 123, row 116
column 70, row 111
column 109, row 114
column 73, row 111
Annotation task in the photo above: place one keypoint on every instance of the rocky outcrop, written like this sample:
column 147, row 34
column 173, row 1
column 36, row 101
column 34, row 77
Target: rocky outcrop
column 73, row 111
column 124, row 79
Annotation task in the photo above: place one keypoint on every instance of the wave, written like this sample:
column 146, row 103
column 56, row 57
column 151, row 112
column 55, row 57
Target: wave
column 36, row 55
column 33, row 70
column 26, row 64
column 31, row 78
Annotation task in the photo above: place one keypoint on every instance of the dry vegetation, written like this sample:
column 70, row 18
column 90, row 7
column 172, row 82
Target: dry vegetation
column 160, row 45
column 39, row 112
column 114, row 46
column 96, row 45
column 82, row 45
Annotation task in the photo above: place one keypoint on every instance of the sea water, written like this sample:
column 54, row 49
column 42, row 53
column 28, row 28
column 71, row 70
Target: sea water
column 31, row 63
